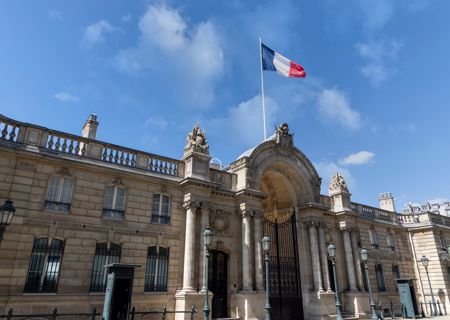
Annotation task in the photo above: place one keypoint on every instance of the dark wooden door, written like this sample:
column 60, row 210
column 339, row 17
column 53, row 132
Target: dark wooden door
column 217, row 283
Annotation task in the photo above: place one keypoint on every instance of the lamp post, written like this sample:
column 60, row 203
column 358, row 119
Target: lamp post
column 332, row 255
column 425, row 263
column 7, row 211
column 266, row 248
column 364, row 258
column 207, row 240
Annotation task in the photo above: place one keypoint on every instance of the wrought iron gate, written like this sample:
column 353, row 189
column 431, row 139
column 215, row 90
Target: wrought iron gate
column 284, row 274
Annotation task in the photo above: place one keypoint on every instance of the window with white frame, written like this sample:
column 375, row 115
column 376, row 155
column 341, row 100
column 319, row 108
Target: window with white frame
column 45, row 263
column 160, row 209
column 157, row 269
column 390, row 241
column 104, row 255
column 373, row 238
column 114, row 202
column 59, row 194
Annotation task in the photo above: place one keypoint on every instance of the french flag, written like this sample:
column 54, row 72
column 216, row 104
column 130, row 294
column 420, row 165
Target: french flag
column 273, row 61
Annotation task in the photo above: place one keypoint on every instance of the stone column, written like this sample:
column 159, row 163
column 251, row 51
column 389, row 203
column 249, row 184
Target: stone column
column 357, row 260
column 258, row 251
column 189, row 246
column 204, row 223
column 314, row 245
column 349, row 259
column 246, row 252
column 324, row 258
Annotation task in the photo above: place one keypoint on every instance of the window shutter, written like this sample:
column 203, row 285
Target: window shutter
column 120, row 199
column 66, row 192
column 53, row 188
column 108, row 199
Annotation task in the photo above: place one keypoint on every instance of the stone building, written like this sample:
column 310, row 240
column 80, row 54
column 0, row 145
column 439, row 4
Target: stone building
column 82, row 203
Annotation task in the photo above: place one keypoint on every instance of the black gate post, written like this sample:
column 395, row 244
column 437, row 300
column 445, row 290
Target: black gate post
column 10, row 314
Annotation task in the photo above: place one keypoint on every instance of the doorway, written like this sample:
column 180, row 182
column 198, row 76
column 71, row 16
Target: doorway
column 217, row 283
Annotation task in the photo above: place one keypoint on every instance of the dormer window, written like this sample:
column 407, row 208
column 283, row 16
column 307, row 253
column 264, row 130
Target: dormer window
column 59, row 194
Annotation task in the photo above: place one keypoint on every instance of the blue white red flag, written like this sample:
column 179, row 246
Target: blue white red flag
column 273, row 61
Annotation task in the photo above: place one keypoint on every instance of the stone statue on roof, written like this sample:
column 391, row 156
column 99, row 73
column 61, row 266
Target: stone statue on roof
column 337, row 181
column 197, row 139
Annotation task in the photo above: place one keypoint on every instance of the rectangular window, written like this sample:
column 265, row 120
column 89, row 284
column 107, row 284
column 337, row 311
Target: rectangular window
column 45, row 264
column 114, row 202
column 373, row 238
column 59, row 194
column 160, row 209
column 396, row 275
column 390, row 241
column 103, row 256
column 157, row 269
column 380, row 277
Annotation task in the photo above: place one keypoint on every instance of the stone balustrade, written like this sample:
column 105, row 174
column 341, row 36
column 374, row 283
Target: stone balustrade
column 372, row 213
column 423, row 219
column 224, row 178
column 63, row 143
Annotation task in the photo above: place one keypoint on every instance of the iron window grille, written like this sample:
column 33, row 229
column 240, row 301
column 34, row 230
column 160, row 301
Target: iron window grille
column 103, row 256
column 380, row 277
column 157, row 269
column 45, row 263
column 160, row 209
column 114, row 202
column 59, row 194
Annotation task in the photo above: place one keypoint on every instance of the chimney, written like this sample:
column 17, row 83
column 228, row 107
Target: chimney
column 387, row 201
column 90, row 127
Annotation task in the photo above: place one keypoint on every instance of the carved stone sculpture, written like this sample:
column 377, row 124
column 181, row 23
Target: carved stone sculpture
column 337, row 181
column 197, row 139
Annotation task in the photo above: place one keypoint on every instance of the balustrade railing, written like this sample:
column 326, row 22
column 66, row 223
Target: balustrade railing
column 77, row 146
column 373, row 213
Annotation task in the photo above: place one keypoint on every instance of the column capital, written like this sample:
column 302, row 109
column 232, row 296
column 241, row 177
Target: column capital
column 191, row 204
column 311, row 222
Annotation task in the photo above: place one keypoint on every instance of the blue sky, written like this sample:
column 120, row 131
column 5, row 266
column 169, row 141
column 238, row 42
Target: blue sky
column 374, row 106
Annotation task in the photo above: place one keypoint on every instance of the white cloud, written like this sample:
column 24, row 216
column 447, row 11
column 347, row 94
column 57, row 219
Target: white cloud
column 66, row 97
column 334, row 106
column 376, row 13
column 55, row 15
column 156, row 121
column 361, row 157
column 438, row 200
column 245, row 122
column 326, row 169
column 95, row 33
column 380, row 56
column 126, row 18
column 169, row 46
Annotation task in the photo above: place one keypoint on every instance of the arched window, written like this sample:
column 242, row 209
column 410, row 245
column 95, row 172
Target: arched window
column 160, row 209
column 157, row 269
column 103, row 255
column 59, row 194
column 380, row 277
column 114, row 202
column 43, row 272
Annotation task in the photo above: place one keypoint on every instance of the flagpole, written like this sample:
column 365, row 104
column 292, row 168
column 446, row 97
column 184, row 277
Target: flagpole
column 262, row 89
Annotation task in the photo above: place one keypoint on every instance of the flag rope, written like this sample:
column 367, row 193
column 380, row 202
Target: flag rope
column 262, row 89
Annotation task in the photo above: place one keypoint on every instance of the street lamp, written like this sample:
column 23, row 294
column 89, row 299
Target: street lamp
column 425, row 263
column 7, row 211
column 266, row 248
column 207, row 240
column 364, row 258
column 332, row 255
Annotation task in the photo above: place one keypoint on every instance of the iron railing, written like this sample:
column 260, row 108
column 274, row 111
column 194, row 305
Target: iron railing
column 55, row 315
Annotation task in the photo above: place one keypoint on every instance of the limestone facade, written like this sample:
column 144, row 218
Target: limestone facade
column 147, row 204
